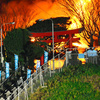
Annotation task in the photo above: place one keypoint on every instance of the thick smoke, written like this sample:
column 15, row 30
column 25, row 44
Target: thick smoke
column 25, row 12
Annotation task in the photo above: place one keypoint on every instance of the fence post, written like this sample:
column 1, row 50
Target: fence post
column 66, row 58
column 8, row 98
column 86, row 56
column 25, row 90
column 25, row 87
column 42, row 80
column 36, row 77
column 15, row 95
column 31, row 84
column 96, row 60
column 50, row 68
column 40, row 76
column 18, row 93
column 61, row 67
column 59, row 61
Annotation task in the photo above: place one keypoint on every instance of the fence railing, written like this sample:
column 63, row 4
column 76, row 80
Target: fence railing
column 39, row 78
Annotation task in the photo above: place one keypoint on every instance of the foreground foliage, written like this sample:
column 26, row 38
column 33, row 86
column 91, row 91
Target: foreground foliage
column 79, row 82
column 18, row 42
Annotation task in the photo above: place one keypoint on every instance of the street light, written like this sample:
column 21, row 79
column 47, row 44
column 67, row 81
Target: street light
column 52, row 39
column 1, row 41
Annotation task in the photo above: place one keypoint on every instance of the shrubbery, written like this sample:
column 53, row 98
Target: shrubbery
column 79, row 82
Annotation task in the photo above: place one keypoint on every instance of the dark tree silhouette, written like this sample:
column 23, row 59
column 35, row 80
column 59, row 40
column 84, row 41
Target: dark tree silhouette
column 60, row 23
column 18, row 42
column 88, row 14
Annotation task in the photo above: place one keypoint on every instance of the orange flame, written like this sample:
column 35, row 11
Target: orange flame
column 25, row 12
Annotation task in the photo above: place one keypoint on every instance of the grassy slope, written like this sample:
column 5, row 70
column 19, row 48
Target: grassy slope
column 80, row 82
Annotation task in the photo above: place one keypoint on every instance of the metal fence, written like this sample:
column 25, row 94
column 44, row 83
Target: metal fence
column 39, row 78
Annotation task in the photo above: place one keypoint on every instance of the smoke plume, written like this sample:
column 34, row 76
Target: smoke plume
column 25, row 12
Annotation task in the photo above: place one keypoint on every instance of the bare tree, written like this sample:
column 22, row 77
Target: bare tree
column 88, row 14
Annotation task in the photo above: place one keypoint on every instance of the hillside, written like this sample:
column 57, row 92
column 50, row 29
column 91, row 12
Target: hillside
column 79, row 82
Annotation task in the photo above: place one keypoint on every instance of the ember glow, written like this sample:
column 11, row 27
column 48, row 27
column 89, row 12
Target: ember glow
column 57, row 63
